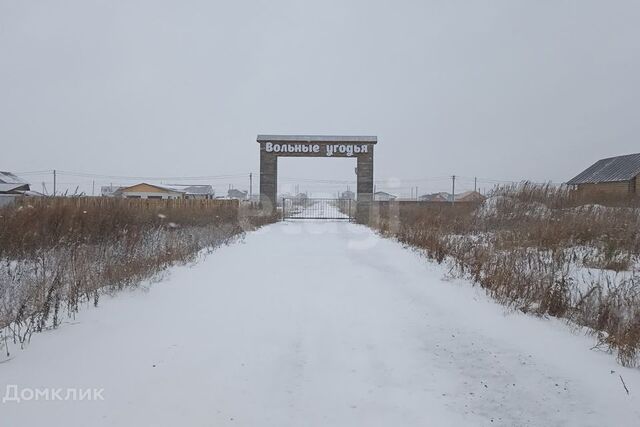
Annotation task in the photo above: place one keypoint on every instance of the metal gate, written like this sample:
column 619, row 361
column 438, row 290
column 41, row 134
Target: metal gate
column 305, row 208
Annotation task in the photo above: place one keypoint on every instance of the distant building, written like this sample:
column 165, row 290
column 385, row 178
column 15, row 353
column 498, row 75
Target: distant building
column 234, row 193
column 613, row 175
column 110, row 190
column 12, row 187
column 195, row 191
column 470, row 196
column 159, row 191
column 300, row 197
column 348, row 195
column 150, row 191
column 286, row 195
column 467, row 196
column 435, row 197
column 12, row 184
column 382, row 196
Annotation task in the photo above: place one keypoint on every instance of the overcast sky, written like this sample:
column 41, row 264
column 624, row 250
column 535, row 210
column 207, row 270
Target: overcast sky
column 502, row 90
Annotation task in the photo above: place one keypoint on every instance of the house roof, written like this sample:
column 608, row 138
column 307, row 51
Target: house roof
column 9, row 183
column 436, row 197
column 319, row 138
column 160, row 187
column 10, row 178
column 109, row 189
column 192, row 189
column 7, row 188
column 469, row 195
column 612, row 169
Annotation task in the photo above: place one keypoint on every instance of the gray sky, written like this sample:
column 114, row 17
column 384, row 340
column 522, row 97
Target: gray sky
column 502, row 90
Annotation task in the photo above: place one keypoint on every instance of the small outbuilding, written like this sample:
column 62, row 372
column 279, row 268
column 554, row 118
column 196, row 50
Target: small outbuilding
column 613, row 175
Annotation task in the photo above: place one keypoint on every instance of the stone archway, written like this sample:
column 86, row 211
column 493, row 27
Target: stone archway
column 360, row 147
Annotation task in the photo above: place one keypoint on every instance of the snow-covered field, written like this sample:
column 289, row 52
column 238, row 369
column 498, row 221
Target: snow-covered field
column 316, row 324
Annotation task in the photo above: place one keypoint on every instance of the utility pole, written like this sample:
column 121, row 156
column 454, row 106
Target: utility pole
column 475, row 184
column 250, row 185
column 93, row 187
column 54, row 182
column 417, row 197
column 453, row 189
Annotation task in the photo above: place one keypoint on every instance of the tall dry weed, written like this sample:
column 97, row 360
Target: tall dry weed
column 543, row 249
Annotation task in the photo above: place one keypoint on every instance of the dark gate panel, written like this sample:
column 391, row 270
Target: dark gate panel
column 304, row 208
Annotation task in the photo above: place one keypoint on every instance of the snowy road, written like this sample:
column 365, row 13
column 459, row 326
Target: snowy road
column 317, row 324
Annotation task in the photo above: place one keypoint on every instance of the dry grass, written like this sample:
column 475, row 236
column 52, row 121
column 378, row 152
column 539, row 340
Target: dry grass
column 543, row 249
column 59, row 253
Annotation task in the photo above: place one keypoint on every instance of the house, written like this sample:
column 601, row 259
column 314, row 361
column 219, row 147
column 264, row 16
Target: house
column 613, row 175
column 12, row 187
column 466, row 196
column 200, row 191
column 159, row 191
column 470, row 196
column 150, row 191
column 382, row 196
column 12, row 184
column 435, row 197
column 237, row 194
column 348, row 195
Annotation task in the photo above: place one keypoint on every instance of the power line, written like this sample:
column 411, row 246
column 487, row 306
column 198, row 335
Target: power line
column 434, row 178
column 236, row 177
column 48, row 171
column 173, row 178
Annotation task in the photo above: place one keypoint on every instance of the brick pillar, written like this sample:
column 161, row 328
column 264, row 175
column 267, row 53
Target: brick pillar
column 365, row 186
column 268, row 179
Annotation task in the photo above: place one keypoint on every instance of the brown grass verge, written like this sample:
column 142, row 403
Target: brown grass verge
column 59, row 253
column 543, row 249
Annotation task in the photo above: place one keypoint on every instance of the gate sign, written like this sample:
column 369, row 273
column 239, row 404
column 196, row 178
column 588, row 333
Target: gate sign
column 358, row 147
column 328, row 150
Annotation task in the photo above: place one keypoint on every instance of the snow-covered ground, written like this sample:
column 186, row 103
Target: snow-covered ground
column 316, row 324
column 319, row 209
